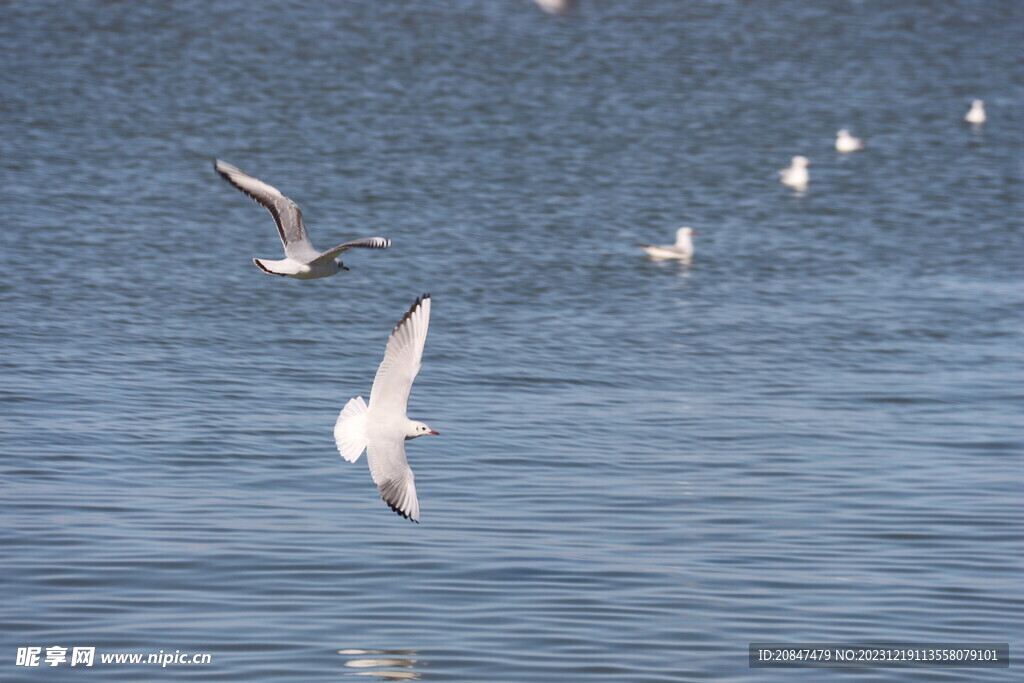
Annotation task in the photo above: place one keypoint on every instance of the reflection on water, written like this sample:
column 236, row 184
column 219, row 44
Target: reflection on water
column 375, row 662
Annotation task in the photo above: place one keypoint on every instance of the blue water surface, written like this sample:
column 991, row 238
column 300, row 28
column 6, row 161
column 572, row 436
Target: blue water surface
column 812, row 432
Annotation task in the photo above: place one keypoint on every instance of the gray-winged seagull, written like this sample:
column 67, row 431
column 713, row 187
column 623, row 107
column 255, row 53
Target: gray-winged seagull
column 302, row 261
column 382, row 428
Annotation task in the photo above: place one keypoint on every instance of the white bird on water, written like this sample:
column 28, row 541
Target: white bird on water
column 382, row 428
column 302, row 261
column 976, row 115
column 847, row 143
column 682, row 249
column 796, row 176
column 555, row 6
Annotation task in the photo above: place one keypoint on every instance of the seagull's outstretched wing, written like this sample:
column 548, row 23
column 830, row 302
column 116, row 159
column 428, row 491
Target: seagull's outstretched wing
column 364, row 243
column 286, row 213
column 390, row 393
column 394, row 479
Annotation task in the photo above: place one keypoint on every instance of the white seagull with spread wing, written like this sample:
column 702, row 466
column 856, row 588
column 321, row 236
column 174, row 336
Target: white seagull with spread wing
column 302, row 261
column 382, row 428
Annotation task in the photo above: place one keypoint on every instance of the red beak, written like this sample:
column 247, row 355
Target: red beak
column 432, row 432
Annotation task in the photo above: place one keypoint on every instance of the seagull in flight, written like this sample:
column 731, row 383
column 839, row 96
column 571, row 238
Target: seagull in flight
column 382, row 428
column 682, row 249
column 302, row 261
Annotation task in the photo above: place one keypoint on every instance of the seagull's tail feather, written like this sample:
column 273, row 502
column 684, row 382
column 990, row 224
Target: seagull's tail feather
column 350, row 429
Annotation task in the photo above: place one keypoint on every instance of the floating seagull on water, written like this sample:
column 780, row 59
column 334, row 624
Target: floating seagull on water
column 847, row 143
column 682, row 249
column 302, row 260
column 555, row 6
column 796, row 175
column 976, row 115
column 382, row 428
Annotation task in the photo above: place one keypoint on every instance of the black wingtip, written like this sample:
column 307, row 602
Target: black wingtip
column 224, row 174
column 399, row 512
column 412, row 309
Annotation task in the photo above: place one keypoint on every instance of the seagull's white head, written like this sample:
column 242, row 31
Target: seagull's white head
column 684, row 235
column 800, row 162
column 339, row 265
column 977, row 104
column 843, row 133
column 417, row 429
column 684, row 239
